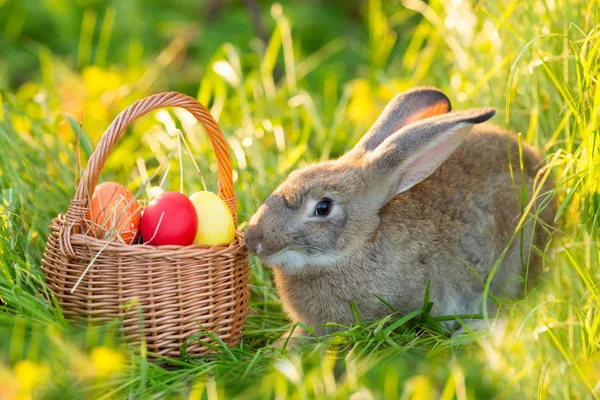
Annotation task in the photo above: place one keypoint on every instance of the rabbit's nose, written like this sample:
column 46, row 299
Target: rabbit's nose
column 253, row 239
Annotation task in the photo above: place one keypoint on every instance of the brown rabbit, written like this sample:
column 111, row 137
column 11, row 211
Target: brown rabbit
column 417, row 200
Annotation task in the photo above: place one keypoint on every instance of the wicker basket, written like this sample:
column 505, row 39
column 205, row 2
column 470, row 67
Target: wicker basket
column 172, row 289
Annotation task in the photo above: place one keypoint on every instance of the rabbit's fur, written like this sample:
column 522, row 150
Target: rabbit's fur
column 416, row 201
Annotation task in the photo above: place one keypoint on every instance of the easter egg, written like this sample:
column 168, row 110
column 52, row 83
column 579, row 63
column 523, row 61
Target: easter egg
column 170, row 218
column 114, row 213
column 215, row 223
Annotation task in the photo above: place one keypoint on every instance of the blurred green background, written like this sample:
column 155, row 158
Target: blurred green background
column 131, row 34
column 290, row 83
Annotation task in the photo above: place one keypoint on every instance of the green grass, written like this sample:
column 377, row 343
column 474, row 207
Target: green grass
column 298, row 98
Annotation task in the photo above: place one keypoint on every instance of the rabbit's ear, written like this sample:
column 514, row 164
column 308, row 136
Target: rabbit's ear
column 412, row 154
column 406, row 108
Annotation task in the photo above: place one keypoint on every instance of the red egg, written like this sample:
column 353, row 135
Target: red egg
column 170, row 218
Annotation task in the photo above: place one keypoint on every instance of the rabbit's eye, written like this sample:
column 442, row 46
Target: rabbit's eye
column 323, row 207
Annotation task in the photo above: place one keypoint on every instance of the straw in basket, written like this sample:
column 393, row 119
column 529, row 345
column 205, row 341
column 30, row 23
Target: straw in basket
column 180, row 290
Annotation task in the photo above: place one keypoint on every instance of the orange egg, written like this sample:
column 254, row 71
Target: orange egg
column 114, row 213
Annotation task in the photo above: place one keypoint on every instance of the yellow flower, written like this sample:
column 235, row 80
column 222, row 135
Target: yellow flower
column 30, row 375
column 98, row 80
column 368, row 99
column 421, row 388
column 361, row 105
column 107, row 361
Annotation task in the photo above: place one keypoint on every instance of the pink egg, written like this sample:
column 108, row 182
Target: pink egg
column 170, row 218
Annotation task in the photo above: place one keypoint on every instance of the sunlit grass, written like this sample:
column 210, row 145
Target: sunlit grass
column 536, row 61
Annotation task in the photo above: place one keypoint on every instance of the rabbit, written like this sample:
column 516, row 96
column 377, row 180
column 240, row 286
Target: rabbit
column 424, row 198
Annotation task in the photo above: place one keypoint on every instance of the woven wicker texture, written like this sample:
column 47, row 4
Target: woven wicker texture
column 161, row 293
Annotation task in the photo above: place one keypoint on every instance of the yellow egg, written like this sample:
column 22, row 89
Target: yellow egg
column 215, row 223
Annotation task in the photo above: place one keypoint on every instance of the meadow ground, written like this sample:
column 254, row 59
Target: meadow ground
column 307, row 91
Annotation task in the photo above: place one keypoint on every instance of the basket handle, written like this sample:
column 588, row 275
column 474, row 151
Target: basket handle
column 75, row 215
